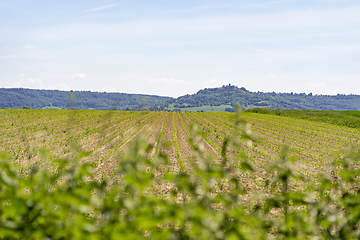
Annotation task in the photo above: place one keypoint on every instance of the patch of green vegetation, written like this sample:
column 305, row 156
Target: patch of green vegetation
column 207, row 108
column 340, row 118
column 51, row 107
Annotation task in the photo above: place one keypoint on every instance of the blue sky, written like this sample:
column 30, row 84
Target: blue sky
column 173, row 48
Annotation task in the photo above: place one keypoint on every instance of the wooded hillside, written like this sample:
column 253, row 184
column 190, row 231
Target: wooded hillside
column 226, row 95
column 33, row 98
column 231, row 95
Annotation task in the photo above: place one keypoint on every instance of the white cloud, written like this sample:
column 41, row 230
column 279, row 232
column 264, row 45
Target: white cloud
column 346, row 79
column 13, row 56
column 35, row 83
column 164, row 80
column 276, row 76
column 100, row 8
column 31, row 47
column 107, row 89
column 79, row 76
column 315, row 85
column 63, row 86
column 271, row 76
column 214, row 83
column 5, row 84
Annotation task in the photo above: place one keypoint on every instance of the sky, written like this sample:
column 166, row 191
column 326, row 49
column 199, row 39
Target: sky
column 172, row 48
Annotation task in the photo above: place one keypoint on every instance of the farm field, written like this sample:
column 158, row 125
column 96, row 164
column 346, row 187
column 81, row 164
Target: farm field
column 166, row 171
column 106, row 134
column 340, row 118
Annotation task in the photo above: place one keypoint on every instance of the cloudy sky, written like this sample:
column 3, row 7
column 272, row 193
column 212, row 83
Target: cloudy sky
column 172, row 48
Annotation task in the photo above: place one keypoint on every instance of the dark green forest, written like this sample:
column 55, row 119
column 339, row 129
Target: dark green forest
column 37, row 99
column 225, row 95
column 231, row 95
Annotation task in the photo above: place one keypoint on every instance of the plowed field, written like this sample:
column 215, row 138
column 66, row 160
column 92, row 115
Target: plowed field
column 108, row 134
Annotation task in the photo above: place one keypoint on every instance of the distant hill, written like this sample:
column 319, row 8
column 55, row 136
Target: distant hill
column 208, row 99
column 32, row 98
column 230, row 95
